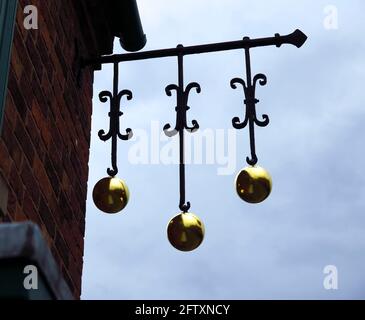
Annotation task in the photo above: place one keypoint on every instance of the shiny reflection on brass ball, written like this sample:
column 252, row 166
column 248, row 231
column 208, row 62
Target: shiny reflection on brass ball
column 111, row 195
column 185, row 232
column 253, row 184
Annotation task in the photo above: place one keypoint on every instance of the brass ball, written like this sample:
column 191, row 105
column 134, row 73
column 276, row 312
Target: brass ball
column 253, row 184
column 111, row 195
column 185, row 232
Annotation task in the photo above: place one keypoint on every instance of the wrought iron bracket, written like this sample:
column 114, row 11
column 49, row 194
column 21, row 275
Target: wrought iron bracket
column 297, row 38
column 114, row 119
column 182, row 96
column 249, row 88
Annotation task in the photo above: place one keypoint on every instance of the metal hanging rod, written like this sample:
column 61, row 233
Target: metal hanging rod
column 297, row 38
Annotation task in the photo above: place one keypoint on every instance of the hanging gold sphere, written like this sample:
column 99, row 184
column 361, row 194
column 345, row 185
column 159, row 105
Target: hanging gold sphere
column 111, row 195
column 185, row 232
column 253, row 184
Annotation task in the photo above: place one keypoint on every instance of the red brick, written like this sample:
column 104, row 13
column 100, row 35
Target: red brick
column 34, row 56
column 47, row 218
column 55, row 155
column 19, row 215
column 41, row 123
column 13, row 146
column 35, row 136
column 16, row 63
column 16, row 184
column 30, row 210
column 25, row 85
column 30, row 182
column 5, row 161
column 11, row 113
column 25, row 142
column 52, row 175
column 41, row 99
column 20, row 48
column 65, row 207
column 41, row 176
column 12, row 203
column 44, row 145
column 45, row 33
column 62, row 248
column 16, row 153
column 17, row 95
column 47, row 237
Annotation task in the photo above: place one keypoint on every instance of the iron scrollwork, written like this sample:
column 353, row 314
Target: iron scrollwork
column 181, row 109
column 182, row 96
column 114, row 122
column 249, row 88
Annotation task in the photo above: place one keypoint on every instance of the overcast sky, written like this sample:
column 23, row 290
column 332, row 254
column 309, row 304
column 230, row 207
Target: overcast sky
column 313, row 149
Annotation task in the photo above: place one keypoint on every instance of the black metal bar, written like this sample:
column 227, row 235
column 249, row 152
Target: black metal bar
column 182, row 205
column 253, row 160
column 182, row 107
column 250, row 105
column 297, row 38
column 248, row 67
column 115, row 122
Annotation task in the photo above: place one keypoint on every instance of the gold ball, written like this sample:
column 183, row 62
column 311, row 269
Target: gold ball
column 111, row 195
column 185, row 232
column 253, row 184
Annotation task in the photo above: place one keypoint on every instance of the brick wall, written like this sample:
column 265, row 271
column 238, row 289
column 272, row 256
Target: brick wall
column 44, row 145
